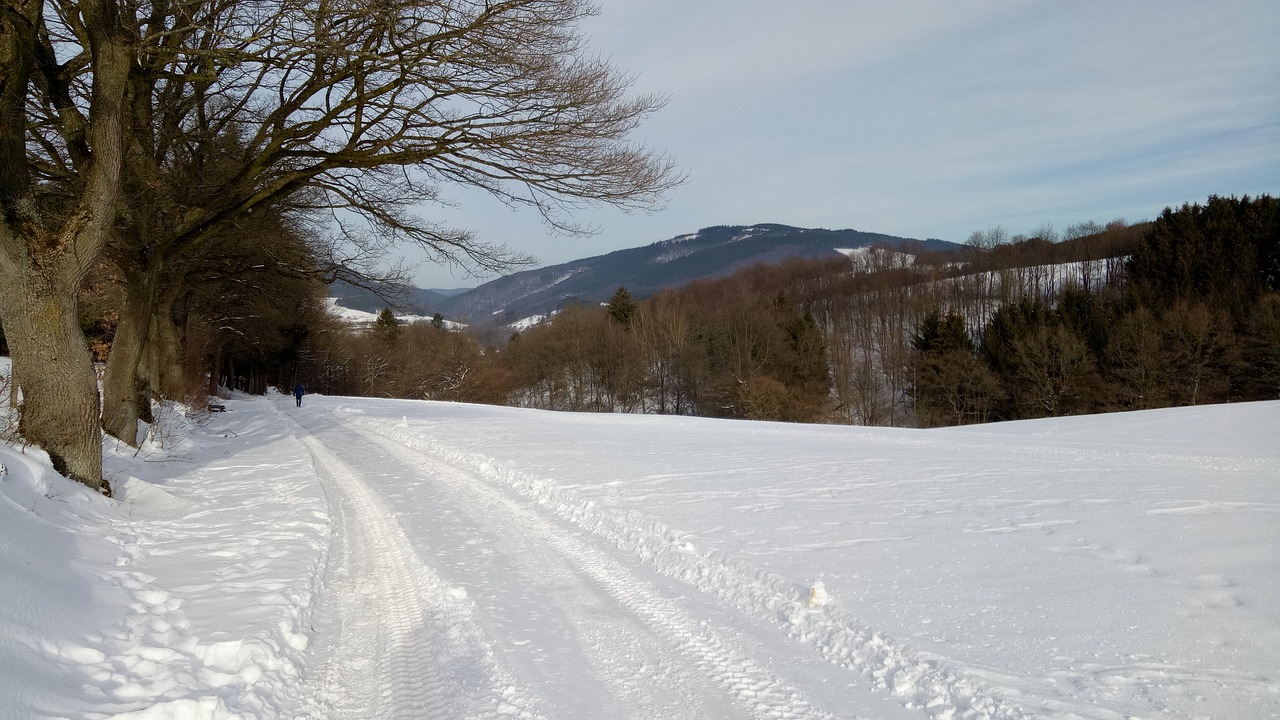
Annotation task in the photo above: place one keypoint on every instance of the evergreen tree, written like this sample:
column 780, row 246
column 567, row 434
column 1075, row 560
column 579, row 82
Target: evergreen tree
column 386, row 328
column 1225, row 253
column 1084, row 315
column 622, row 307
column 940, row 334
column 808, row 373
column 950, row 385
column 998, row 347
column 1261, row 352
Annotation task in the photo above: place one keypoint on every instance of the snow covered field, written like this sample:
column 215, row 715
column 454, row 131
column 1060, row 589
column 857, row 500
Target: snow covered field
column 373, row 558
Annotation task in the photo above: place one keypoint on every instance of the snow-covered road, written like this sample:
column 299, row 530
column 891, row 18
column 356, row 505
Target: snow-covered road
column 486, row 604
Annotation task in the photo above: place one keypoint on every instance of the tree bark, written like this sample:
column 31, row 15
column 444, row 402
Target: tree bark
column 122, row 384
column 215, row 371
column 59, row 389
column 169, row 376
column 44, row 256
column 146, row 355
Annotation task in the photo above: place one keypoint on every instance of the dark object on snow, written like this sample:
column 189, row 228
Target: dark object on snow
column 298, row 392
column 215, row 407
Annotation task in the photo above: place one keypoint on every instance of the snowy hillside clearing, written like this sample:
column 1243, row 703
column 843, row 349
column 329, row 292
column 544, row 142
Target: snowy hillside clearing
column 374, row 558
column 366, row 320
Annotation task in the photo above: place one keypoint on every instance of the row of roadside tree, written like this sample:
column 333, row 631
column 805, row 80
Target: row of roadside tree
column 193, row 166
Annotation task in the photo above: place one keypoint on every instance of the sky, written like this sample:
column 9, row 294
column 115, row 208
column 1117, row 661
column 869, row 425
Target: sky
column 925, row 119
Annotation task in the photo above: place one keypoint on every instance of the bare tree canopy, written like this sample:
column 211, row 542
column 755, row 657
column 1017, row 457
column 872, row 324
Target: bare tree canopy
column 371, row 106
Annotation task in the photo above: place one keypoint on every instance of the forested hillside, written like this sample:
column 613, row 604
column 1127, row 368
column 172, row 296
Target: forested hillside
column 1180, row 311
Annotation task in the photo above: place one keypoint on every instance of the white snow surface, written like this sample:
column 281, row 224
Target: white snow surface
column 359, row 558
column 367, row 319
column 531, row 321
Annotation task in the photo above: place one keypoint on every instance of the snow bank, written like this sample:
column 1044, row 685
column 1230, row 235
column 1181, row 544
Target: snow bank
column 188, row 596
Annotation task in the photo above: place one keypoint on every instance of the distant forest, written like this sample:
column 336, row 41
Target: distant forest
column 1180, row 311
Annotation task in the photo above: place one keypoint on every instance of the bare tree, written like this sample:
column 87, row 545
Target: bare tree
column 1200, row 351
column 63, row 73
column 989, row 239
column 1053, row 368
column 1137, row 361
column 1088, row 238
column 665, row 330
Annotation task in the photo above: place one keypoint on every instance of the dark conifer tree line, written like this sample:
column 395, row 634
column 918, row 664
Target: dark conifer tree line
column 1191, row 320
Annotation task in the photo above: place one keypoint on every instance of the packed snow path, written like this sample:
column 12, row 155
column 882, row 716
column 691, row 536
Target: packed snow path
column 574, row 607
column 491, row 606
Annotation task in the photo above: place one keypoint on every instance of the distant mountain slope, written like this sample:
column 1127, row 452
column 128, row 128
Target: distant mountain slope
column 414, row 300
column 707, row 254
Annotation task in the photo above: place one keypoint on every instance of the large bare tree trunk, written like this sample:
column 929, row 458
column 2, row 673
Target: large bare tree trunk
column 44, row 256
column 146, row 356
column 122, row 387
column 52, row 360
column 168, row 371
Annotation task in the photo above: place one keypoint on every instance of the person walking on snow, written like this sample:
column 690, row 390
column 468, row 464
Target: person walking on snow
column 298, row 392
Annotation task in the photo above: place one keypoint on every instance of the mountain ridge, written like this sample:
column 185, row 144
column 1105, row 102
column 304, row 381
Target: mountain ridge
column 710, row 253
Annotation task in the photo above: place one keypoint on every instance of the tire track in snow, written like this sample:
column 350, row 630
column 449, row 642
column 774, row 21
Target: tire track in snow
column 745, row 682
column 402, row 644
column 919, row 682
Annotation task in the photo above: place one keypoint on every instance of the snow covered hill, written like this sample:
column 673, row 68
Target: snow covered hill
column 372, row 558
